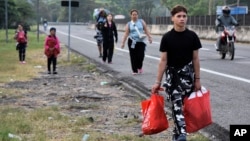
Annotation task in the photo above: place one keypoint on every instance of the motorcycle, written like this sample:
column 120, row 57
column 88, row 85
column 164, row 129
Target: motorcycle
column 227, row 40
column 45, row 26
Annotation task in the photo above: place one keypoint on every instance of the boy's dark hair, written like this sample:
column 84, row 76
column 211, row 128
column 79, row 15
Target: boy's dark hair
column 177, row 9
column 52, row 28
column 133, row 10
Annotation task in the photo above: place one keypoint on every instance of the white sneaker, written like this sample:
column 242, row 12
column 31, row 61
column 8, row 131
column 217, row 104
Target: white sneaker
column 215, row 46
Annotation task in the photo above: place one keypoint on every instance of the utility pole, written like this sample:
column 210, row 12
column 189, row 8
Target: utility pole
column 6, row 20
column 69, row 4
column 37, row 13
column 69, row 30
column 210, row 7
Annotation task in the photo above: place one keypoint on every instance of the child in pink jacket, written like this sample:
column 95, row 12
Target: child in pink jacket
column 52, row 49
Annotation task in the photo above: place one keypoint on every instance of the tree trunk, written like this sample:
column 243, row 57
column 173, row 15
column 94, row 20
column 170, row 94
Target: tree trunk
column 210, row 7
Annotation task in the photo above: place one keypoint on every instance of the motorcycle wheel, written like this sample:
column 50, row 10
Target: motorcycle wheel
column 231, row 50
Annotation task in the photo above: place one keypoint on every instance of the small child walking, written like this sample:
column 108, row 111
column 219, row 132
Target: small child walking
column 51, row 50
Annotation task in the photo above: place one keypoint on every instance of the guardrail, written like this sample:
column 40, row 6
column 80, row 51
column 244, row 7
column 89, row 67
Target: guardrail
column 66, row 23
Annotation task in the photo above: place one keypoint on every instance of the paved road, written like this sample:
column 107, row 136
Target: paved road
column 228, row 81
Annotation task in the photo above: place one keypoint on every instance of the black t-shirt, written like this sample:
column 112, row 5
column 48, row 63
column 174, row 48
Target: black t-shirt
column 179, row 47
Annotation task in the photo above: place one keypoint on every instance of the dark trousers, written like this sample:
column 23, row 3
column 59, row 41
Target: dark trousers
column 52, row 60
column 108, row 50
column 22, row 51
column 136, row 55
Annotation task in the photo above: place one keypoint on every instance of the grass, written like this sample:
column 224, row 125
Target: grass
column 10, row 68
column 46, row 124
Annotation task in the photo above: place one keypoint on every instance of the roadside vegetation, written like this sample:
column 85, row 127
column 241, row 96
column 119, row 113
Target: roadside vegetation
column 46, row 123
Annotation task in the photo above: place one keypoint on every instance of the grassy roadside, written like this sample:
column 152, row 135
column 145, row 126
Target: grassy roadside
column 44, row 124
column 10, row 68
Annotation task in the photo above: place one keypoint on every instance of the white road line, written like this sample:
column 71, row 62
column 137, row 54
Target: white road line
column 157, row 58
column 226, row 75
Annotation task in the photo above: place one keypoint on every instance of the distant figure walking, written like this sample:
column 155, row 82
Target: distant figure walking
column 109, row 31
column 100, row 17
column 135, row 30
column 22, row 41
column 45, row 24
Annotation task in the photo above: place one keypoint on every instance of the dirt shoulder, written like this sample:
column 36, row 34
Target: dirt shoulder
column 111, row 107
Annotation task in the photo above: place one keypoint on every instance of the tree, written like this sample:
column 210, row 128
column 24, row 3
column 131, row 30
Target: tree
column 83, row 13
column 11, row 12
column 195, row 7
column 18, row 12
column 123, row 7
column 25, row 11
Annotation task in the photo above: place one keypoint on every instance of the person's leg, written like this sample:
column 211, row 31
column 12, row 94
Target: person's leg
column 99, row 45
column 54, row 61
column 24, row 53
column 20, row 53
column 105, row 51
column 132, row 53
column 140, row 54
column 110, row 52
column 218, row 44
column 179, row 89
column 176, row 98
column 49, row 60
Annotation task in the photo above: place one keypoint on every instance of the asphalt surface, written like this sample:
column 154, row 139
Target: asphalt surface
column 227, row 80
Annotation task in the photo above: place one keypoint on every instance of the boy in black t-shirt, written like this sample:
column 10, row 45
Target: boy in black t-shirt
column 180, row 60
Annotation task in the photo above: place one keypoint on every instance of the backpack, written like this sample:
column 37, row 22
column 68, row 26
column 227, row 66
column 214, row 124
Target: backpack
column 100, row 25
column 21, row 37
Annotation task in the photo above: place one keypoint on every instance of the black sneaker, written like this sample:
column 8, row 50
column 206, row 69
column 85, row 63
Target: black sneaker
column 174, row 137
column 49, row 72
column 54, row 72
column 182, row 137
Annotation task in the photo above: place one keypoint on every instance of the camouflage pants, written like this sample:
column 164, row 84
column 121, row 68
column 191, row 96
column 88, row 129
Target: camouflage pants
column 179, row 83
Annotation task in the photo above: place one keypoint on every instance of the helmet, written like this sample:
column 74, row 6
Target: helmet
column 226, row 10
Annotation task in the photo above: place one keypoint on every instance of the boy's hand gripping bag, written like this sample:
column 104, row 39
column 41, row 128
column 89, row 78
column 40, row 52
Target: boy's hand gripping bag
column 197, row 110
column 154, row 117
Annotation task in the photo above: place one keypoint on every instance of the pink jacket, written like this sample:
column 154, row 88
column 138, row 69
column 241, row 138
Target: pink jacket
column 52, row 46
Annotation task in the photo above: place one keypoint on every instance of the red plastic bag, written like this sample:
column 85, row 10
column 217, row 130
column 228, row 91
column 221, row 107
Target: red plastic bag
column 154, row 117
column 197, row 110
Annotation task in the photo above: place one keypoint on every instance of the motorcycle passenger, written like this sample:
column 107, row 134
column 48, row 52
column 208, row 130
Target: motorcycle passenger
column 223, row 20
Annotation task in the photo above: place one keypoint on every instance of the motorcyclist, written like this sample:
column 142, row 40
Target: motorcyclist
column 45, row 24
column 223, row 20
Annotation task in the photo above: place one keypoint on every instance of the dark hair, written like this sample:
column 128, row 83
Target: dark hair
column 133, row 10
column 177, row 9
column 111, row 15
column 52, row 28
